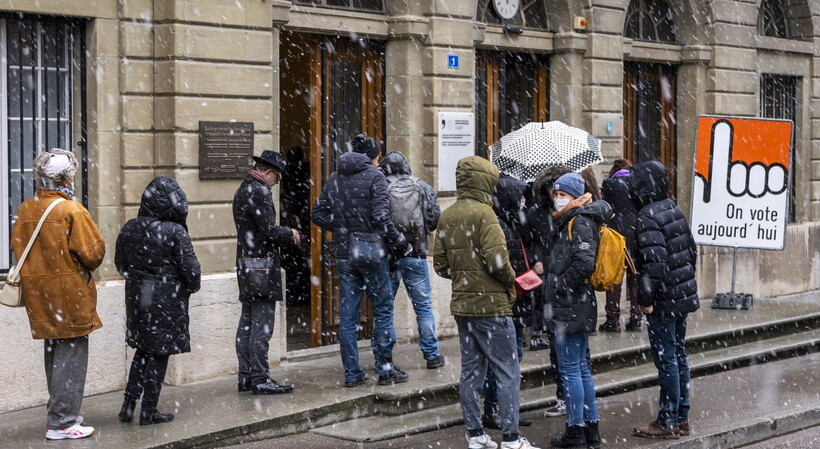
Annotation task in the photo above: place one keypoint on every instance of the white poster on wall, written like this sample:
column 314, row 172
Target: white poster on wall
column 456, row 140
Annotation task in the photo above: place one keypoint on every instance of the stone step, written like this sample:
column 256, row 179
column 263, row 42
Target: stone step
column 383, row 427
column 401, row 400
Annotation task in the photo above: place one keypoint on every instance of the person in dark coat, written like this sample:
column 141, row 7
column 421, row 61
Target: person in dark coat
column 259, row 240
column 540, row 233
column 413, row 268
column 616, row 192
column 355, row 200
column 509, row 208
column 667, row 293
column 571, row 304
column 155, row 257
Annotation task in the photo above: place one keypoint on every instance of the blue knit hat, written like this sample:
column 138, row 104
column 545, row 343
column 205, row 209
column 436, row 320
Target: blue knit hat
column 571, row 183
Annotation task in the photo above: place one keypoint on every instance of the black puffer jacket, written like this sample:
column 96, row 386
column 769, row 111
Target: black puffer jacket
column 257, row 234
column 571, row 304
column 667, row 253
column 395, row 166
column 616, row 192
column 155, row 256
column 354, row 199
column 507, row 207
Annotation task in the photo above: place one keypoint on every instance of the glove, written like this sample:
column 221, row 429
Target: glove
column 402, row 249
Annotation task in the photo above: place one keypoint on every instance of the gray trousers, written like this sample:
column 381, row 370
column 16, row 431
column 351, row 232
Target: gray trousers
column 66, row 363
column 253, row 340
column 490, row 341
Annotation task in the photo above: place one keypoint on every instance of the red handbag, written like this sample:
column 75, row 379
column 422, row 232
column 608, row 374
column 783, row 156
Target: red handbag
column 528, row 280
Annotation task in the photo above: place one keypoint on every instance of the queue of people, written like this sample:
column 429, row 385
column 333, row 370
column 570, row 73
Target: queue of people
column 381, row 216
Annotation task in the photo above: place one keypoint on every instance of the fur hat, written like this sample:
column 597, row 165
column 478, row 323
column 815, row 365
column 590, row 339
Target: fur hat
column 52, row 168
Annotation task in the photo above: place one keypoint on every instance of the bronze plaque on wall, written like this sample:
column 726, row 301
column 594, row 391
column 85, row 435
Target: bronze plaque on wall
column 225, row 149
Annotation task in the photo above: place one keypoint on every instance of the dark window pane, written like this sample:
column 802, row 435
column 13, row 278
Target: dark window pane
column 28, row 185
column 536, row 16
column 49, row 41
column 27, row 94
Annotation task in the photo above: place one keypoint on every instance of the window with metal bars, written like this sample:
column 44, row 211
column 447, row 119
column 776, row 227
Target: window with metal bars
column 362, row 5
column 778, row 99
column 650, row 20
column 36, row 89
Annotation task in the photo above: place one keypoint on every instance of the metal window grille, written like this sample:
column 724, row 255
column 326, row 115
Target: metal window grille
column 361, row 5
column 36, row 85
column 650, row 20
column 778, row 99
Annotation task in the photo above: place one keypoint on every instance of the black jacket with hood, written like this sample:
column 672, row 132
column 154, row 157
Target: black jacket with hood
column 616, row 192
column 395, row 166
column 511, row 218
column 155, row 257
column 666, row 250
column 571, row 304
column 354, row 199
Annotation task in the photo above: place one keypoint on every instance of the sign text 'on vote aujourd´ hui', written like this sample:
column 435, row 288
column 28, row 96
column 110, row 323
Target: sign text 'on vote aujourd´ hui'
column 741, row 183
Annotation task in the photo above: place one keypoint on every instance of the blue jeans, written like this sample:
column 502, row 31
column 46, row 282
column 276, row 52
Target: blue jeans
column 490, row 383
column 667, row 336
column 579, row 388
column 353, row 283
column 417, row 282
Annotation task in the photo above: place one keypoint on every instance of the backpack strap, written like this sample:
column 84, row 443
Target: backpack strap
column 569, row 227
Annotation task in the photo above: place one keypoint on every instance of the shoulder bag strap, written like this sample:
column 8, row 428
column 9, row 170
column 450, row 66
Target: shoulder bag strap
column 22, row 260
column 526, row 261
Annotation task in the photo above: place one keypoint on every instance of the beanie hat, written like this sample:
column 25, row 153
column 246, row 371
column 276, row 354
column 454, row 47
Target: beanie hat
column 571, row 183
column 365, row 145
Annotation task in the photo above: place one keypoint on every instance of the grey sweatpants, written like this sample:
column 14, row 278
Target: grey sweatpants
column 66, row 363
column 490, row 341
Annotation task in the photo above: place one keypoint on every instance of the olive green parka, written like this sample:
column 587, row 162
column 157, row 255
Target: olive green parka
column 470, row 248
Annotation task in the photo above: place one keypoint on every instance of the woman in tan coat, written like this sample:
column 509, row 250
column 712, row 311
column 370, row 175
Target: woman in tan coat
column 59, row 292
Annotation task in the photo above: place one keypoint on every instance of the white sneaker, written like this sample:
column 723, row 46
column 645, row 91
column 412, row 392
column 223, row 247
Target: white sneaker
column 482, row 442
column 522, row 443
column 72, row 433
column 559, row 409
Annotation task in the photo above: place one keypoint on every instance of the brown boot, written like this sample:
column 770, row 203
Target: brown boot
column 657, row 430
column 685, row 429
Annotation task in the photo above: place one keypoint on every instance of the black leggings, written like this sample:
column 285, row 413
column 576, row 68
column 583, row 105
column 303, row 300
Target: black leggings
column 146, row 377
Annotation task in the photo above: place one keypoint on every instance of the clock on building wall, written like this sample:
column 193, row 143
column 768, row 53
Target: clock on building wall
column 506, row 8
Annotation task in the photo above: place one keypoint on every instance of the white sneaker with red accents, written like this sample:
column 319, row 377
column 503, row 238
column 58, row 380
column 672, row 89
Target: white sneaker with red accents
column 74, row 432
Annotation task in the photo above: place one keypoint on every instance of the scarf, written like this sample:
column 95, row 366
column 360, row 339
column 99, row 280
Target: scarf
column 582, row 200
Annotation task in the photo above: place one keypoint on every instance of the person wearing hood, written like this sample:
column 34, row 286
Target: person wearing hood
column 540, row 233
column 509, row 205
column 259, row 241
column 571, row 304
column 155, row 257
column 419, row 203
column 60, row 293
column 354, row 202
column 616, row 192
column 470, row 249
column 667, row 293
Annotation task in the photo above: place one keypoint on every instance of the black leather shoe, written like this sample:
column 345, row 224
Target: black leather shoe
column 435, row 363
column 360, row 381
column 127, row 410
column 271, row 387
column 243, row 386
column 491, row 419
column 148, row 417
column 396, row 376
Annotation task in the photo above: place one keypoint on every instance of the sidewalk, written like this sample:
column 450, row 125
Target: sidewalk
column 213, row 410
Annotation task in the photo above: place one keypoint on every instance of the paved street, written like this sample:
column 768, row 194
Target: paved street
column 718, row 401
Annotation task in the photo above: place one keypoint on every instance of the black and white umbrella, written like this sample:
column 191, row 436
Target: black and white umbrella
column 525, row 152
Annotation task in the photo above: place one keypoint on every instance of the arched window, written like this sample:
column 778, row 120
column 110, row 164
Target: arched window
column 650, row 20
column 531, row 14
column 363, row 5
column 772, row 20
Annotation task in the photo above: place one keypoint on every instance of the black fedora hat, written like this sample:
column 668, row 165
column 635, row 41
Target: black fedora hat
column 272, row 159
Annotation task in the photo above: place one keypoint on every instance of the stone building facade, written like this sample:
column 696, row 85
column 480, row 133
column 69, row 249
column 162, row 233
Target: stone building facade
column 126, row 83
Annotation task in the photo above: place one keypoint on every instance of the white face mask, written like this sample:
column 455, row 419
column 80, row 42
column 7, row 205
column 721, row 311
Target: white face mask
column 522, row 204
column 561, row 203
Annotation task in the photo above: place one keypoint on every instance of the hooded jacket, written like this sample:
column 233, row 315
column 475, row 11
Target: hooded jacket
column 616, row 192
column 155, row 257
column 666, row 250
column 60, row 294
column 540, row 225
column 257, row 234
column 395, row 166
column 470, row 248
column 571, row 304
column 354, row 199
column 511, row 218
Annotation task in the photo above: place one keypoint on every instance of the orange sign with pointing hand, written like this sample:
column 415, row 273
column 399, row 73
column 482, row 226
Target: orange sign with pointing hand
column 740, row 189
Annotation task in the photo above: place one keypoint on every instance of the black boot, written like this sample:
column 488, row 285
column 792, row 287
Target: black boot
column 150, row 415
column 591, row 434
column 572, row 437
column 127, row 410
